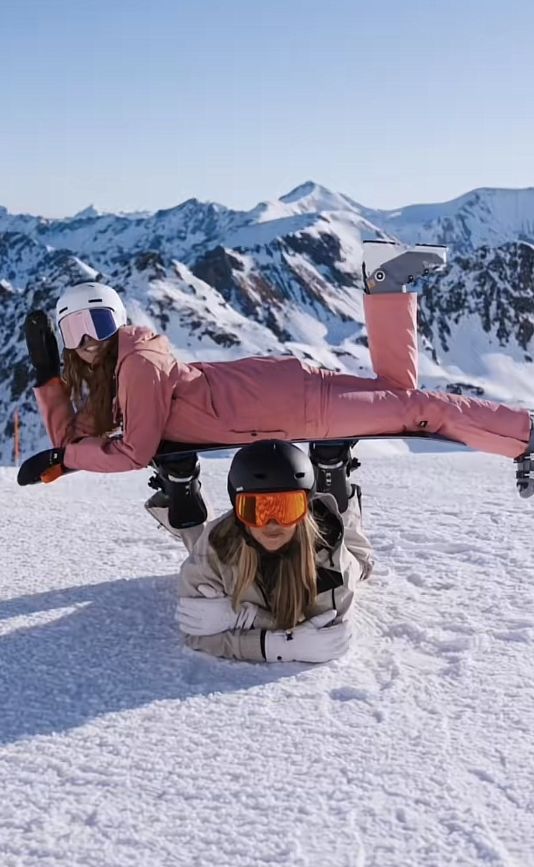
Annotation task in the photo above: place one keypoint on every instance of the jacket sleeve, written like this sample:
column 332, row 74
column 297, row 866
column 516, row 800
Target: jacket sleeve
column 62, row 423
column 391, row 321
column 240, row 644
column 203, row 567
column 355, row 539
column 351, row 561
column 189, row 536
column 145, row 396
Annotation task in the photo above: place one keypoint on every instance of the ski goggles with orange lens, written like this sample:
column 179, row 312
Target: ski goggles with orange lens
column 285, row 507
column 100, row 324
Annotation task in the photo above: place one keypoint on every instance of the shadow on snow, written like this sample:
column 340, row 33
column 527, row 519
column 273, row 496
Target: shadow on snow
column 119, row 649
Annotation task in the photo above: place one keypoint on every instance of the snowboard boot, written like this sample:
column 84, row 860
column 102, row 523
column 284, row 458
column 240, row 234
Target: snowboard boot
column 158, row 507
column 332, row 465
column 178, row 489
column 524, row 471
column 391, row 267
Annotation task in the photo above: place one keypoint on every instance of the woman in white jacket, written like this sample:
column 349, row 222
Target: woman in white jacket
column 274, row 578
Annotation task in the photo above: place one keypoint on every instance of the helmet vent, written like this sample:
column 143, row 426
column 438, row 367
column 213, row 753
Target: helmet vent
column 94, row 300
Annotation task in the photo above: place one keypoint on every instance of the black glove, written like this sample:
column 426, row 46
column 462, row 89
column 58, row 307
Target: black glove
column 43, row 467
column 42, row 346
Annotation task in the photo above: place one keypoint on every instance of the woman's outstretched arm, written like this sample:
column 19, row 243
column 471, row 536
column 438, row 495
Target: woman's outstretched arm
column 145, row 395
column 63, row 425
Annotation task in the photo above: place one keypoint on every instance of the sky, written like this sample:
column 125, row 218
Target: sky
column 128, row 105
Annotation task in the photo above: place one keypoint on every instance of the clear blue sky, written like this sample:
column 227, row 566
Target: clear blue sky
column 132, row 104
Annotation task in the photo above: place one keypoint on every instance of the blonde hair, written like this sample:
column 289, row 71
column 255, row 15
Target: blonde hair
column 93, row 388
column 295, row 590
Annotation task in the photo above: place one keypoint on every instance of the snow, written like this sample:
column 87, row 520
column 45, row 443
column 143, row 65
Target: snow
column 121, row 747
column 504, row 375
column 314, row 197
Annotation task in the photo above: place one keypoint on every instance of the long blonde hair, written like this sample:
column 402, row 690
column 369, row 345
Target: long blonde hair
column 294, row 591
column 93, row 388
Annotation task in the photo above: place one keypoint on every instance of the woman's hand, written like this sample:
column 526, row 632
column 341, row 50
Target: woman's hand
column 198, row 615
column 42, row 346
column 312, row 641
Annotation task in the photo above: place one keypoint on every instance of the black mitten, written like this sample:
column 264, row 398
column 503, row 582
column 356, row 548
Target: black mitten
column 45, row 467
column 42, row 346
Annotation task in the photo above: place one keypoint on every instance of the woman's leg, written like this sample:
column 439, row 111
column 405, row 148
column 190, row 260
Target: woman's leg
column 347, row 411
column 352, row 407
column 391, row 311
column 391, row 322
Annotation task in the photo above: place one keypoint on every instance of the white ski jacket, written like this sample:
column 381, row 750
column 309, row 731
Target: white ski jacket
column 339, row 568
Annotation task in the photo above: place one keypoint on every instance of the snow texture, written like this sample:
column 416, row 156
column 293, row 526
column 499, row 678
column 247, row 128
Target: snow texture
column 121, row 748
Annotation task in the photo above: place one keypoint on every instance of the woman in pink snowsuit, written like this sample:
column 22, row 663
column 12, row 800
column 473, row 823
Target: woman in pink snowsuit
column 158, row 397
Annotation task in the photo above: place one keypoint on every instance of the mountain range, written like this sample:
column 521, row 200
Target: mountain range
column 284, row 277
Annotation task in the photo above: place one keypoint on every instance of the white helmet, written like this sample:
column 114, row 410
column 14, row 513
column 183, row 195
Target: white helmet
column 92, row 309
column 87, row 296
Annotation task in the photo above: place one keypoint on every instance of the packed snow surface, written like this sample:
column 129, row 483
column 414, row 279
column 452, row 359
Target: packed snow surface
column 121, row 747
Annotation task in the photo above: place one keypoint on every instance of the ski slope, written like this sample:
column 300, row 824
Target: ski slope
column 120, row 748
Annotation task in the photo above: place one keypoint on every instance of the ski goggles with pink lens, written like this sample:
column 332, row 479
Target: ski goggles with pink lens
column 100, row 324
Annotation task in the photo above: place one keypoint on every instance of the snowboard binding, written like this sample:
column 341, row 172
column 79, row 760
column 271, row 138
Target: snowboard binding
column 391, row 267
column 178, row 487
column 332, row 465
column 524, row 475
column 524, row 468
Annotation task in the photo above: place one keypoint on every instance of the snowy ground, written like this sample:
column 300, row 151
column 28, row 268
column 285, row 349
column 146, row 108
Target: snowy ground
column 120, row 747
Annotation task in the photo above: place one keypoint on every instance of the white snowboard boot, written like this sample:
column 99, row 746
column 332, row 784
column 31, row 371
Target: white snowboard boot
column 392, row 267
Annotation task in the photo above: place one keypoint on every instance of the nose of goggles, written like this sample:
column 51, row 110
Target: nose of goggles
column 285, row 507
column 100, row 324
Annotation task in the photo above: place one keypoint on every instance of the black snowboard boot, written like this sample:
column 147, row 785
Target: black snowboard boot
column 333, row 464
column 180, row 486
column 524, row 472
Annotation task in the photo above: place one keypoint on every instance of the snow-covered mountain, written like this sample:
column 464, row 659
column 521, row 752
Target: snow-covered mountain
column 481, row 217
column 284, row 277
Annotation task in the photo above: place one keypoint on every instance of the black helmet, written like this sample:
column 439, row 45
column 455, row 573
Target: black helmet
column 268, row 466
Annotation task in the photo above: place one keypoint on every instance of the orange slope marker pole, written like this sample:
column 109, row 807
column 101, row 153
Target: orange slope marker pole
column 16, row 437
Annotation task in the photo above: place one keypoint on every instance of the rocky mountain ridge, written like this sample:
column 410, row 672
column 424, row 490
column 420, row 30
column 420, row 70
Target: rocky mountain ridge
column 284, row 277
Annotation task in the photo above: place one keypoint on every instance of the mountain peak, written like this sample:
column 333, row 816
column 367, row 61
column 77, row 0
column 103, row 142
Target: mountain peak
column 304, row 191
column 188, row 206
column 310, row 196
column 86, row 213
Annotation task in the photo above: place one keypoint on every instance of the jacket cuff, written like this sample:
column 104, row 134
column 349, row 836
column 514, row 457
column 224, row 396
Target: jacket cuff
column 52, row 380
column 250, row 645
column 264, row 619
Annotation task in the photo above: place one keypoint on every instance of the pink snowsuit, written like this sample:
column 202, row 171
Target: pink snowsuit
column 159, row 397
